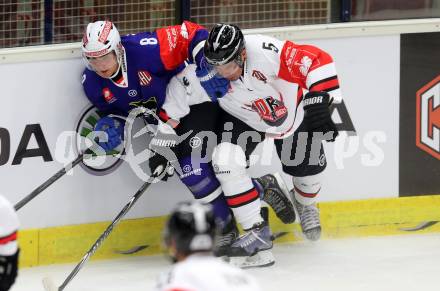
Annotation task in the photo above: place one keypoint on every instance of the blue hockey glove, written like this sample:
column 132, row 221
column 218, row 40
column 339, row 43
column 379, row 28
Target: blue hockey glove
column 215, row 85
column 114, row 130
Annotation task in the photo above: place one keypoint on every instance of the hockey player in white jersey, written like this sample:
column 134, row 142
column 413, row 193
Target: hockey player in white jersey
column 281, row 90
column 8, row 244
column 189, row 237
column 183, row 91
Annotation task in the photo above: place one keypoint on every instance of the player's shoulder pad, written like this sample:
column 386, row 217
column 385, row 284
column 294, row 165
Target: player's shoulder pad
column 141, row 40
column 143, row 49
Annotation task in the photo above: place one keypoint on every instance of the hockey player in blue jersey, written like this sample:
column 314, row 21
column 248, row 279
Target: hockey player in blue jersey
column 136, row 71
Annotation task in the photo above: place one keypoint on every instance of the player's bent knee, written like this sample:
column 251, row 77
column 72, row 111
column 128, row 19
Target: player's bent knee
column 229, row 161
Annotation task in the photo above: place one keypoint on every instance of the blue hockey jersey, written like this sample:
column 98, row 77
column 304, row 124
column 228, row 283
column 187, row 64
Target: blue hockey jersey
column 151, row 60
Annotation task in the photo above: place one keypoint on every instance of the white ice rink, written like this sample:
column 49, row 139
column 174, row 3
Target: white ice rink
column 400, row 263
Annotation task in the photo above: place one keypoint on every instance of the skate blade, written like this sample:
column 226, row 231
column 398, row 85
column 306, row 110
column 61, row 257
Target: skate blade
column 261, row 259
column 313, row 235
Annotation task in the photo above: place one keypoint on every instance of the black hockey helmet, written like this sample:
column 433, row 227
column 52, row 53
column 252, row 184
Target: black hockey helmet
column 224, row 44
column 192, row 227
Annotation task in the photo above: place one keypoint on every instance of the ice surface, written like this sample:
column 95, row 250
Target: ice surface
column 410, row 262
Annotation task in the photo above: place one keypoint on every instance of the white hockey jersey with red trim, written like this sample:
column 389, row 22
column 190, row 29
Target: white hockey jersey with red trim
column 201, row 272
column 8, row 228
column 276, row 75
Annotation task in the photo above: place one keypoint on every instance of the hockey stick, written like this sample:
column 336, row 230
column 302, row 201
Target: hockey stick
column 55, row 177
column 49, row 182
column 48, row 283
column 131, row 251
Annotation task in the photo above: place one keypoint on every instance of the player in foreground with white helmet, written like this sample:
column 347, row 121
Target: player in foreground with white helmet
column 189, row 238
column 8, row 244
column 148, row 70
column 281, row 90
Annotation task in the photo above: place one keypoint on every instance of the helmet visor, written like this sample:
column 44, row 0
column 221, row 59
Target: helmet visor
column 103, row 62
column 227, row 70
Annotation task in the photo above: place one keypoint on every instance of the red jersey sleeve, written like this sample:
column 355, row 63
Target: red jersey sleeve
column 180, row 42
column 310, row 67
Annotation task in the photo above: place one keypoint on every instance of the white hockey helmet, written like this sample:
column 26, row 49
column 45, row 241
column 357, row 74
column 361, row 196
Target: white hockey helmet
column 101, row 38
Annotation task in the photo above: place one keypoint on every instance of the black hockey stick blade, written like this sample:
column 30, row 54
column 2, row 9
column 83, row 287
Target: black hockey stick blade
column 131, row 251
column 420, row 226
column 277, row 235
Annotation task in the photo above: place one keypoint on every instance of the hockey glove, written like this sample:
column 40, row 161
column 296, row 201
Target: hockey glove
column 114, row 131
column 160, row 167
column 163, row 145
column 8, row 270
column 317, row 117
column 215, row 85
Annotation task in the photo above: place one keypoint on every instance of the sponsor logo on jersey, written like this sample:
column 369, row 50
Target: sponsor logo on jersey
column 172, row 38
column 272, row 111
column 108, row 95
column 132, row 93
column 144, row 78
column 259, row 75
column 428, row 118
column 105, row 32
column 289, row 56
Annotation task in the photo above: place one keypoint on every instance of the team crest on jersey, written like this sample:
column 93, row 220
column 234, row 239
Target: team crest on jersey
column 144, row 78
column 108, row 95
column 259, row 75
column 272, row 111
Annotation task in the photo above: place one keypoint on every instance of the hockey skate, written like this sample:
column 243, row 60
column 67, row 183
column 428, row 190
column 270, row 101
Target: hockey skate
column 225, row 239
column 309, row 218
column 254, row 247
column 276, row 194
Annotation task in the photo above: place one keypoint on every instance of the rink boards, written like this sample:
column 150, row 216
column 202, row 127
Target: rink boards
column 357, row 218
